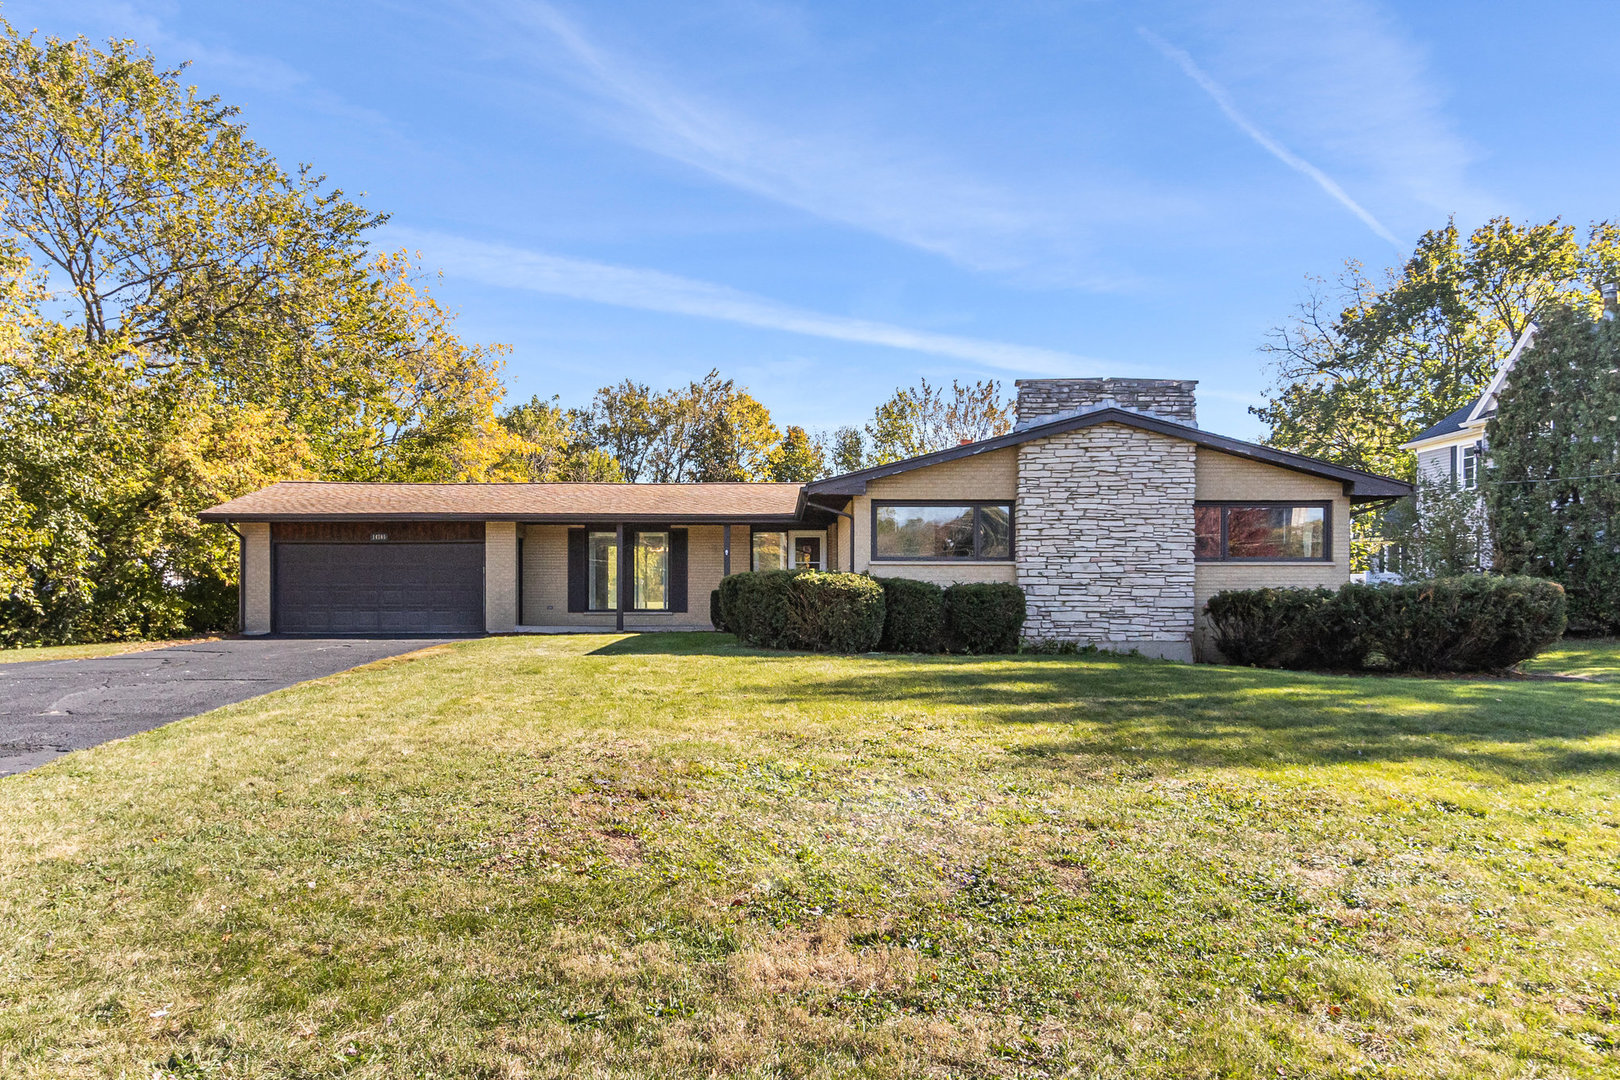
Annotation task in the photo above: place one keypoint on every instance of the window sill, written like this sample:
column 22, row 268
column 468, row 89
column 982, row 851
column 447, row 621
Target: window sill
column 945, row 562
column 1264, row 562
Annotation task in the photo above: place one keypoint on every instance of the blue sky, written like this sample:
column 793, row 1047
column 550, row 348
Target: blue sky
column 828, row 200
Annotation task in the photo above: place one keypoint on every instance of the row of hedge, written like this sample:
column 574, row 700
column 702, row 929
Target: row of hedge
column 838, row 612
column 1474, row 623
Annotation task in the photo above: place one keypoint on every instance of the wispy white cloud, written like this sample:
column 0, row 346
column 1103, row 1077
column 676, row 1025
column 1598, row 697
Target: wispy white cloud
column 653, row 290
column 837, row 158
column 1224, row 102
column 1345, row 83
column 884, row 186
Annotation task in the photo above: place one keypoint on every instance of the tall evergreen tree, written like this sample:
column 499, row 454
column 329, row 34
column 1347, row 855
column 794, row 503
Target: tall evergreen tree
column 1553, row 482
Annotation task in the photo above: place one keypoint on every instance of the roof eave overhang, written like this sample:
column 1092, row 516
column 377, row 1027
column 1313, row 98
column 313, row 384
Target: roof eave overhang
column 1358, row 485
column 1467, row 433
column 526, row 519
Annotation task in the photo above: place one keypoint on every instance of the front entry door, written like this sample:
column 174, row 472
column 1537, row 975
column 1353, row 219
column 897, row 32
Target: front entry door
column 807, row 553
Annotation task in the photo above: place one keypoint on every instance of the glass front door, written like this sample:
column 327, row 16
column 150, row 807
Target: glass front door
column 807, row 553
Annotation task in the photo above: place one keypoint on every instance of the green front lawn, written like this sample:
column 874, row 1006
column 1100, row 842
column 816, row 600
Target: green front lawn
column 667, row 856
column 1592, row 658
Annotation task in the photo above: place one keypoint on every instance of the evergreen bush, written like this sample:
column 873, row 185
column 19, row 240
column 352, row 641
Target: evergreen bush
column 984, row 617
column 1474, row 623
column 835, row 612
column 914, row 616
column 1553, row 478
column 760, row 611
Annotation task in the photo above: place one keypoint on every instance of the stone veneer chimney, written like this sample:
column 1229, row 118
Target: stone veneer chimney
column 1105, row 538
column 1040, row 400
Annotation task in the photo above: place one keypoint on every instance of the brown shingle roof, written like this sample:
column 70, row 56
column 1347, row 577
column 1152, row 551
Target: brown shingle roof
column 295, row 500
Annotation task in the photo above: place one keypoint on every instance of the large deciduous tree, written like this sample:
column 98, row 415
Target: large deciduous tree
column 707, row 431
column 1368, row 364
column 226, row 324
column 924, row 418
column 1553, row 481
column 848, row 450
column 554, row 444
column 799, row 459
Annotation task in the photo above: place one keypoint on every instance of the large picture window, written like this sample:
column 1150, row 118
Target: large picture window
column 1234, row 532
column 981, row 531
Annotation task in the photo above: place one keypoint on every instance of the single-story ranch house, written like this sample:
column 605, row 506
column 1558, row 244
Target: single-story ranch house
column 1117, row 515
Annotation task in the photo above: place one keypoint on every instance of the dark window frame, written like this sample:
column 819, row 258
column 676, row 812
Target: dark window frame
column 631, row 542
column 1011, row 506
column 787, row 540
column 1469, row 464
column 1326, row 506
column 618, row 568
column 678, row 601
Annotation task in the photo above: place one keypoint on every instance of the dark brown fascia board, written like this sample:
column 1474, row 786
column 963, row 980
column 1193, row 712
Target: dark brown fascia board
column 1357, row 484
column 526, row 519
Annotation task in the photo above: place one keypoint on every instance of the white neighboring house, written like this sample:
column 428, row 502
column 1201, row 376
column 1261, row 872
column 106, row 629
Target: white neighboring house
column 1455, row 449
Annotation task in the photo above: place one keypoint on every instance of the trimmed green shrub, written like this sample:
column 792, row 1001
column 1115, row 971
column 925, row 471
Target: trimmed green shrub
column 1474, row 623
column 833, row 611
column 1266, row 627
column 984, row 617
column 729, row 586
column 717, row 616
column 1350, row 628
column 913, row 616
column 802, row 609
column 758, row 610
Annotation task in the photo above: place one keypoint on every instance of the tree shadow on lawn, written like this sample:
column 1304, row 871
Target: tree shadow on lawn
column 1203, row 714
column 681, row 643
column 1185, row 715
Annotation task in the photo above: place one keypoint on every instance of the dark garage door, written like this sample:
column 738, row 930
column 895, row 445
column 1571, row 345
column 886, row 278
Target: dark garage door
column 379, row 588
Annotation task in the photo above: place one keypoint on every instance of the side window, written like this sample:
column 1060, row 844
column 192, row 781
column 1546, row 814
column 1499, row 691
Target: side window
column 770, row 551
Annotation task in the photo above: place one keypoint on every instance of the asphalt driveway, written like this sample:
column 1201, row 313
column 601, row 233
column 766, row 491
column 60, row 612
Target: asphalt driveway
column 51, row 707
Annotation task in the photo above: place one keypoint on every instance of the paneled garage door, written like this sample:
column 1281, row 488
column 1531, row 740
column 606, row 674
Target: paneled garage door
column 379, row 588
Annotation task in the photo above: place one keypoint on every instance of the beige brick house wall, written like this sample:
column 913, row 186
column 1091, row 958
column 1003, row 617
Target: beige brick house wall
column 545, row 580
column 256, row 574
column 1105, row 539
column 991, row 475
column 1223, row 477
column 500, row 577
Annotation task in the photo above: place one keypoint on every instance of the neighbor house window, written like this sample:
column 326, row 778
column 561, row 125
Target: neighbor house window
column 602, row 571
column 1238, row 531
column 652, row 571
column 770, row 551
column 1470, row 467
column 942, row 531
